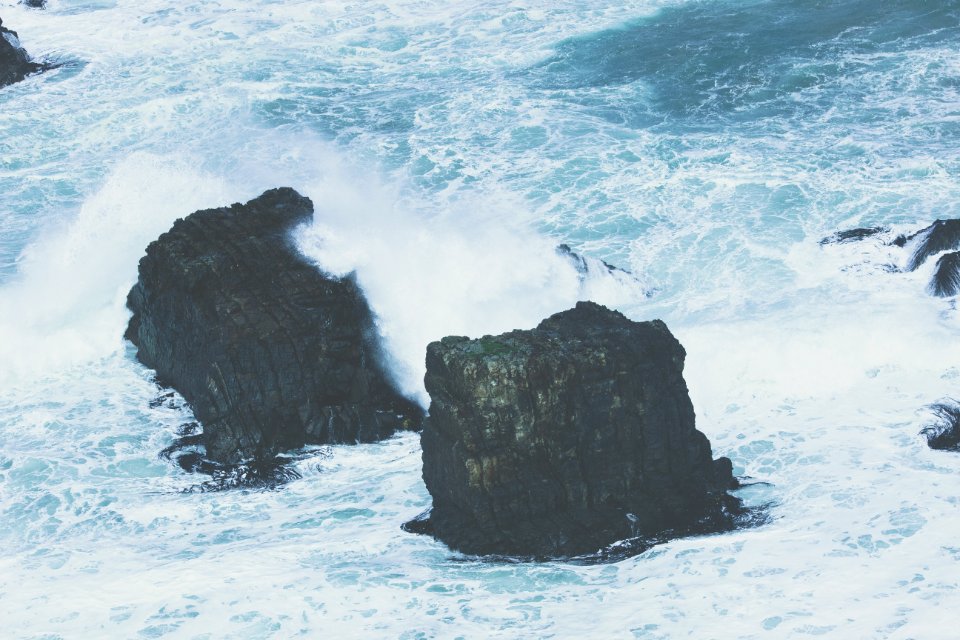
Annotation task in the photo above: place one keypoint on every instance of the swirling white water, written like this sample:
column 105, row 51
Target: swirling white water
column 705, row 145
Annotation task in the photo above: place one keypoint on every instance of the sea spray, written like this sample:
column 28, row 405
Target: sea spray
column 468, row 271
column 66, row 306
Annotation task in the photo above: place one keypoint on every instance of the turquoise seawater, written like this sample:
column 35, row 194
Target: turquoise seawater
column 705, row 145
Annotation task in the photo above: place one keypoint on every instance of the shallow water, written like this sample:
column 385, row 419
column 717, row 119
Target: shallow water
column 706, row 146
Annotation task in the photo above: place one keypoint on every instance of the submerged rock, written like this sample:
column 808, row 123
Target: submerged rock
column 563, row 439
column 15, row 63
column 270, row 353
column 853, row 235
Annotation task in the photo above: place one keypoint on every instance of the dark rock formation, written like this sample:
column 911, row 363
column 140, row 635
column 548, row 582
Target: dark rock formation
column 853, row 235
column 945, row 432
column 581, row 264
column 566, row 438
column 946, row 277
column 270, row 353
column 15, row 64
column 942, row 235
column 36, row 4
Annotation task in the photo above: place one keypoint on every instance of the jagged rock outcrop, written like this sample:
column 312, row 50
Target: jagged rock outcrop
column 852, row 235
column 942, row 235
column 563, row 439
column 270, row 353
column 15, row 63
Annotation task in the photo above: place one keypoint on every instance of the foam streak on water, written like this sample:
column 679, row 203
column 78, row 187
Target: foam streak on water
column 707, row 146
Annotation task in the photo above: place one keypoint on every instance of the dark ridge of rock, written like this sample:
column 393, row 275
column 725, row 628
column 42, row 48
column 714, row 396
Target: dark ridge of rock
column 946, row 277
column 945, row 432
column 581, row 264
column 587, row 267
column 561, row 440
column 15, row 63
column 35, row 4
column 270, row 353
column 188, row 453
column 853, row 235
column 942, row 235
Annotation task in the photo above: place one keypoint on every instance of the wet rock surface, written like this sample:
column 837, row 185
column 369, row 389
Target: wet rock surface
column 946, row 276
column 944, row 432
column 919, row 247
column 853, row 235
column 15, row 63
column 270, row 353
column 564, row 439
column 942, row 235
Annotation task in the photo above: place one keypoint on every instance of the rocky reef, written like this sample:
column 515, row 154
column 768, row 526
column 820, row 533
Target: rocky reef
column 15, row 63
column 270, row 353
column 941, row 237
column 852, row 235
column 566, row 438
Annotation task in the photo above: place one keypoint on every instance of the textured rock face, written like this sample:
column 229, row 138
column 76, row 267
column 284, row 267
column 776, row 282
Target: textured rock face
column 270, row 353
column 15, row 64
column 563, row 439
column 942, row 235
column 946, row 276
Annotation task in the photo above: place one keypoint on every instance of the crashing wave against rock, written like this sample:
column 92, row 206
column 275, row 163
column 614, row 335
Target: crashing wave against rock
column 941, row 236
column 15, row 63
column 561, row 440
column 944, row 433
column 270, row 353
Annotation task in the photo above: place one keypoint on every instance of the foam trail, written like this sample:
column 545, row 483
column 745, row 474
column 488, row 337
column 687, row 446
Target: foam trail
column 67, row 306
column 460, row 273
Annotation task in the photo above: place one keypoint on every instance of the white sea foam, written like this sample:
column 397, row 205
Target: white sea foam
column 808, row 365
column 66, row 307
column 474, row 270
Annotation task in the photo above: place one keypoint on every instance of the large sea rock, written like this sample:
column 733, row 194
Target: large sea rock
column 15, row 63
column 563, row 439
column 271, row 353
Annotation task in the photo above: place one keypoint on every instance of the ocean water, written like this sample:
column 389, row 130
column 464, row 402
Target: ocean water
column 705, row 145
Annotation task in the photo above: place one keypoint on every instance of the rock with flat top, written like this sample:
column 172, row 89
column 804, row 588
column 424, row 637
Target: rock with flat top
column 563, row 439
